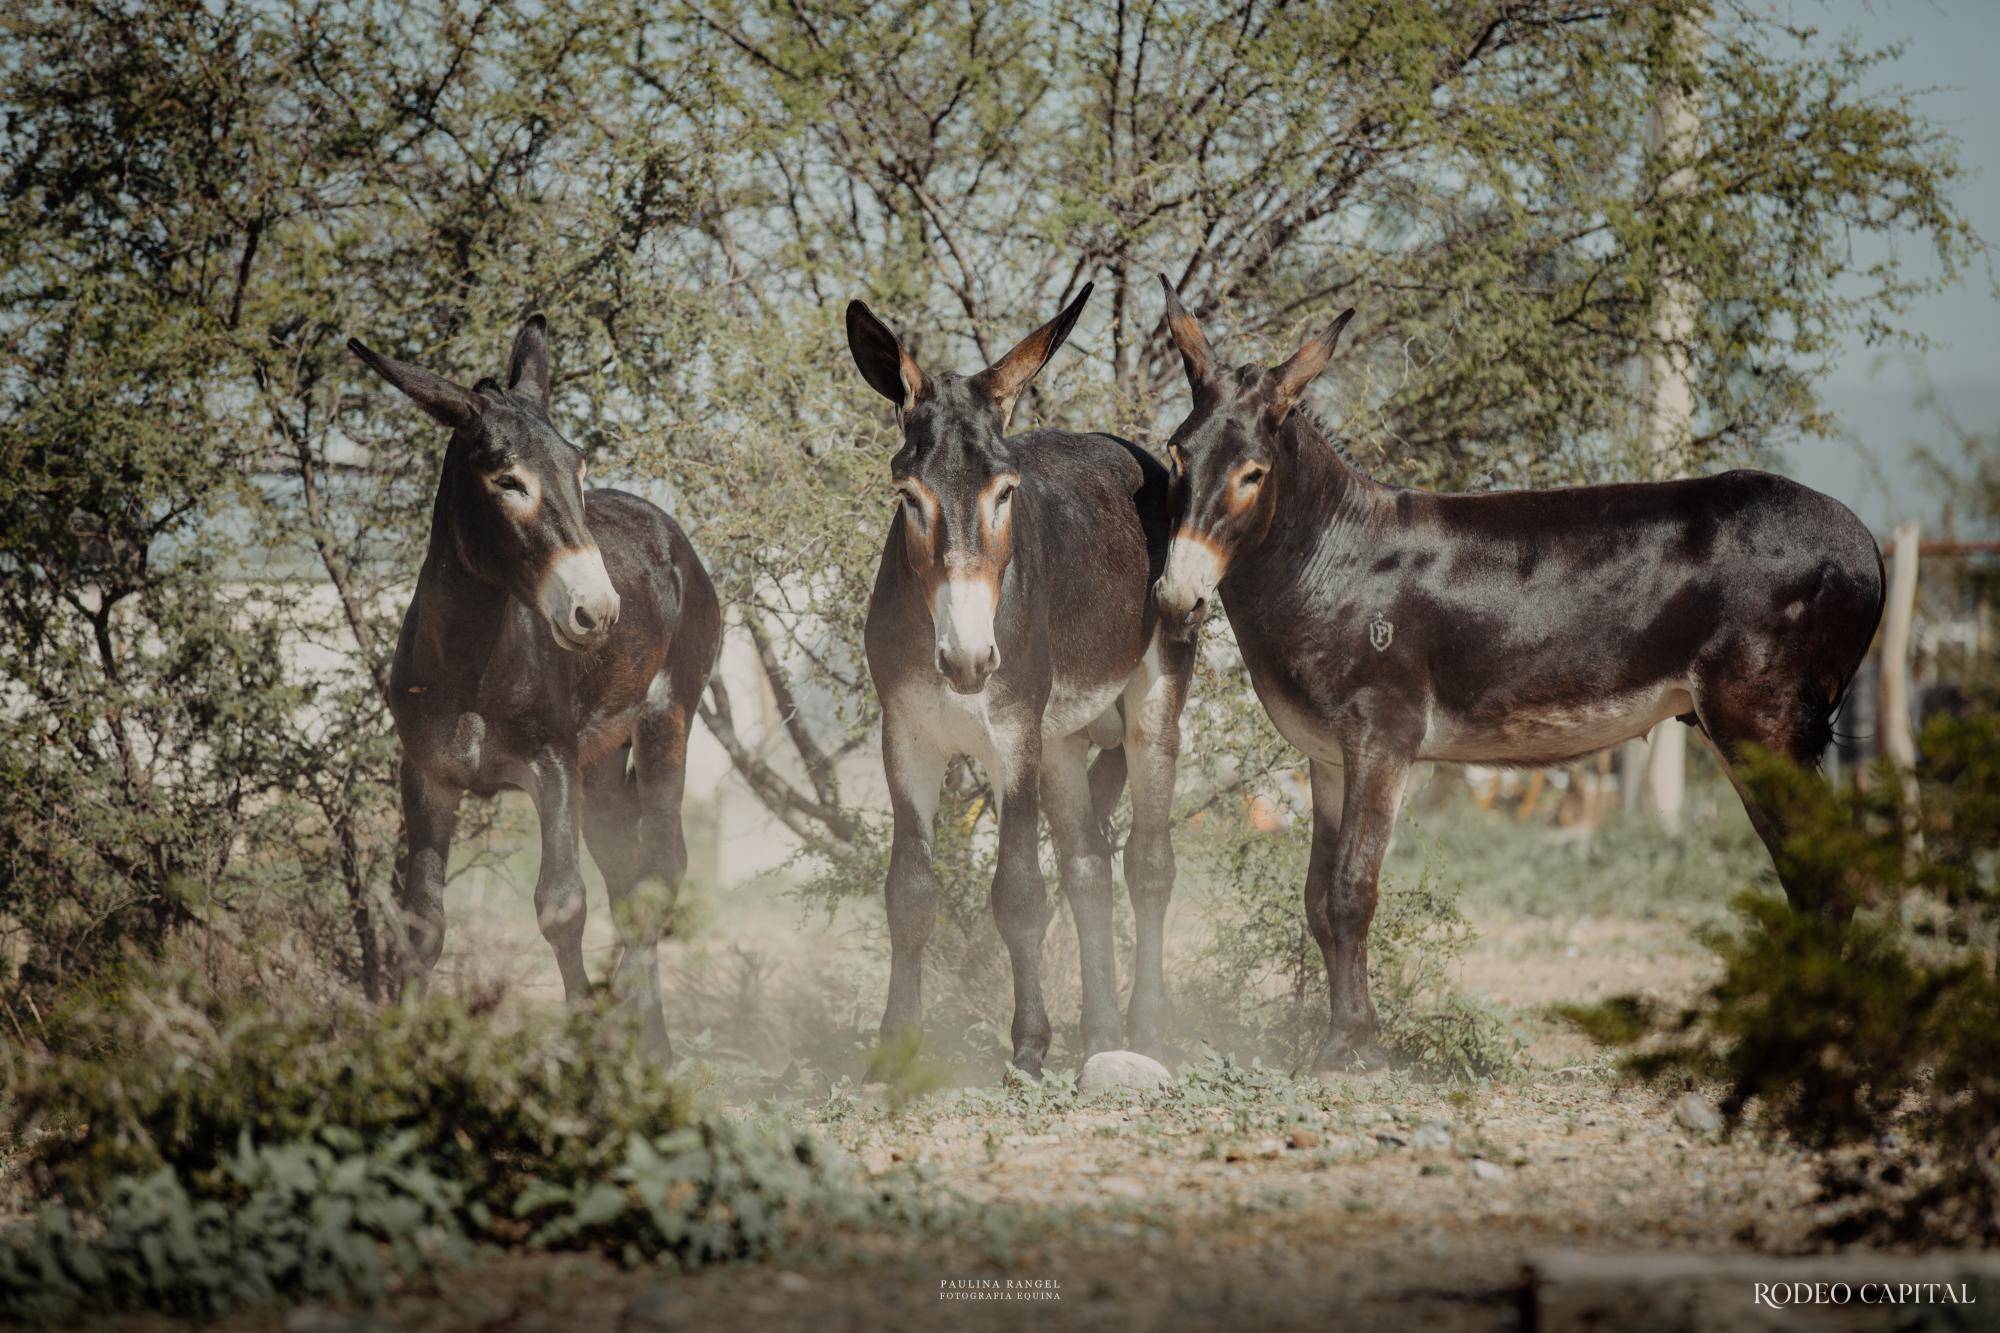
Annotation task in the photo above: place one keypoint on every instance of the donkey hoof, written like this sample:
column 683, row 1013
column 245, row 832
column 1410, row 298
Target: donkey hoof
column 1026, row 1066
column 1350, row 1055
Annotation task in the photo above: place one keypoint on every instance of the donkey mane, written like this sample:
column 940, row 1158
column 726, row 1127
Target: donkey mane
column 1313, row 430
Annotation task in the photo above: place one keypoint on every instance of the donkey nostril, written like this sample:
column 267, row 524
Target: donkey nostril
column 584, row 620
column 992, row 659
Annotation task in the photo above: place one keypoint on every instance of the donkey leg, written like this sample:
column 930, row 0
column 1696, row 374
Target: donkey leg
column 636, row 879
column 1152, row 752
column 1343, row 882
column 559, row 906
column 915, row 769
column 430, row 817
column 1779, row 718
column 1021, row 909
column 659, row 771
column 1083, row 861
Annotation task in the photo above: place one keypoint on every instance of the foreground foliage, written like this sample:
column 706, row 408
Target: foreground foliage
column 209, row 1159
column 1877, row 1039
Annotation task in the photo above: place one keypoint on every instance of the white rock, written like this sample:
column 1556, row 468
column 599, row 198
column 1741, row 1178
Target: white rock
column 1694, row 1112
column 1486, row 1170
column 1431, row 1137
column 1122, row 1069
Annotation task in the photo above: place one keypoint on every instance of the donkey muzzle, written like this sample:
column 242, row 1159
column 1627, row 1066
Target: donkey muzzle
column 578, row 600
column 1184, row 591
column 962, row 612
column 966, row 670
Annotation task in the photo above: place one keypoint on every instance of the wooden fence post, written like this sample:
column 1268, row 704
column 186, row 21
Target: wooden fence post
column 1892, row 688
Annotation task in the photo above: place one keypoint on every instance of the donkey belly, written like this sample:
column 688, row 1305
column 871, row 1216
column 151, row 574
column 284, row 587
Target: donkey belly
column 1546, row 733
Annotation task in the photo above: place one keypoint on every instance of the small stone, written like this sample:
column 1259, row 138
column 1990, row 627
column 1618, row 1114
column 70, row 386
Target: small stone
column 1303, row 1138
column 1486, row 1170
column 1122, row 1069
column 1692, row 1110
column 1123, row 1187
column 319, row 1319
column 1431, row 1137
column 1268, row 1148
column 793, row 1281
column 654, row 1307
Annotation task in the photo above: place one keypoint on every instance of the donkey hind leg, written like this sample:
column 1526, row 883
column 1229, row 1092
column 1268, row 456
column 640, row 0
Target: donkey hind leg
column 915, row 769
column 1083, row 861
column 632, row 823
column 1153, row 701
column 1783, row 717
column 1354, row 814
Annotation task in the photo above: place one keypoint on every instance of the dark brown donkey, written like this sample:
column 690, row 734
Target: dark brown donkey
column 558, row 642
column 1382, row 626
column 1010, row 622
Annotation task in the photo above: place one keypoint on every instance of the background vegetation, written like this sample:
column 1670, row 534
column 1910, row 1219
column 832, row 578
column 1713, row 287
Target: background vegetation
column 205, row 199
column 208, row 510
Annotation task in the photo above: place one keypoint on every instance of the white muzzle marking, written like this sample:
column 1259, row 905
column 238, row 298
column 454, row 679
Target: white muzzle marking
column 577, row 598
column 1193, row 570
column 962, row 617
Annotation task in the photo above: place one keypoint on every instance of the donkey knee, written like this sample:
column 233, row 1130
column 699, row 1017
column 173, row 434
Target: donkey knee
column 1349, row 908
column 1021, row 905
column 559, row 910
column 1149, row 866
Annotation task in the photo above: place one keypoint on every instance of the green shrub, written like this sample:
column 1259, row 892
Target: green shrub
column 207, row 1158
column 1877, row 1036
column 1261, row 982
column 298, row 1219
column 176, row 1081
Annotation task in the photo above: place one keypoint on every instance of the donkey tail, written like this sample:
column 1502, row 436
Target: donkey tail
column 1828, row 730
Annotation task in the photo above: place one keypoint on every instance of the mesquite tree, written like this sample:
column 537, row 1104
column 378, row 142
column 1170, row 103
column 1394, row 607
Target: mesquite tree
column 204, row 199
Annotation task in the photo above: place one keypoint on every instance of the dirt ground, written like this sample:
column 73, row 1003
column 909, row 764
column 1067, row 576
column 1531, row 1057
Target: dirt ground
column 1236, row 1199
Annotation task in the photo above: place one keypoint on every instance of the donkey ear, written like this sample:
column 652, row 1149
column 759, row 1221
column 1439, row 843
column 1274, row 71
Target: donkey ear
column 1004, row 379
column 883, row 362
column 1289, row 381
column 528, row 362
column 447, row 403
column 1188, row 338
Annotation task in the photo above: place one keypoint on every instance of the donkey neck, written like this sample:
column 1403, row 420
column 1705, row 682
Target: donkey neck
column 456, row 615
column 1326, row 509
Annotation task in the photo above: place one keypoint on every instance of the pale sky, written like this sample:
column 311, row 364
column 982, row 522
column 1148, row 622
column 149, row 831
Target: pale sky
column 1948, row 62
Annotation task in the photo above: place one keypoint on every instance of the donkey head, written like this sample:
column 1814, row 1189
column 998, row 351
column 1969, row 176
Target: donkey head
column 1226, row 460
column 956, row 477
column 512, row 494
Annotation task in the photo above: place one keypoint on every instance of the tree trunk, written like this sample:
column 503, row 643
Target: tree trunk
column 1668, row 394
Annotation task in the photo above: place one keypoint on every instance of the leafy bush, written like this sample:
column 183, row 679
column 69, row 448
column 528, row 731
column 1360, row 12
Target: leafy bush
column 208, row 1158
column 175, row 1080
column 1879, row 1036
column 297, row 1219
column 1261, row 979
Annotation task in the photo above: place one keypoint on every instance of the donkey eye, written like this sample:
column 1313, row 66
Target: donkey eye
column 1003, row 495
column 510, row 482
column 1251, row 476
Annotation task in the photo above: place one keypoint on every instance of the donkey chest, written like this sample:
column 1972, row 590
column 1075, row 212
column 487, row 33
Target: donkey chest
column 988, row 730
